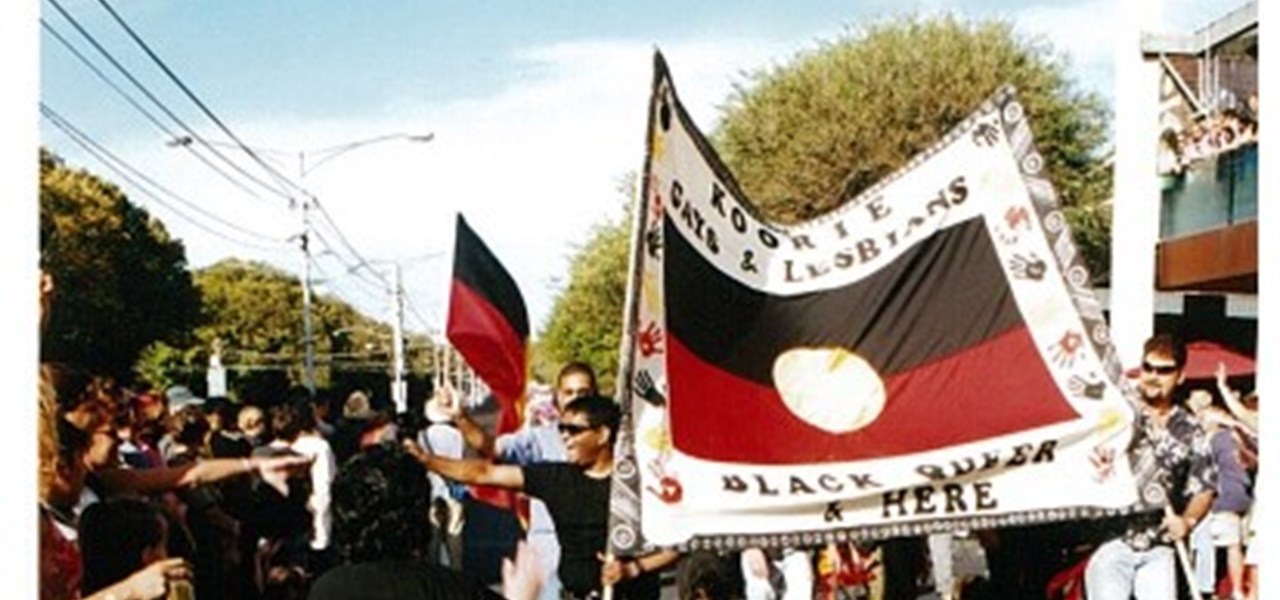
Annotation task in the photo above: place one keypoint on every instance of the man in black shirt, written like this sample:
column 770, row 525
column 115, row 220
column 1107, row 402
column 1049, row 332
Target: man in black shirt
column 576, row 493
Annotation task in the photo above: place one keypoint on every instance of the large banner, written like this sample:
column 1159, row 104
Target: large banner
column 927, row 357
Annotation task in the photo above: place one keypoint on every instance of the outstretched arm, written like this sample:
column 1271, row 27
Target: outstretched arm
column 474, row 471
column 476, row 437
column 1232, row 398
column 162, row 479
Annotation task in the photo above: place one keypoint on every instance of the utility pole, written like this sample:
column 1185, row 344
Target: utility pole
column 308, row 339
column 399, row 388
column 321, row 156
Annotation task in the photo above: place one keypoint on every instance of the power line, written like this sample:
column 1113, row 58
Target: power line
column 109, row 159
column 158, row 186
column 280, row 178
column 161, row 105
column 332, row 282
column 352, row 270
column 413, row 310
column 142, row 109
column 417, row 261
column 361, row 261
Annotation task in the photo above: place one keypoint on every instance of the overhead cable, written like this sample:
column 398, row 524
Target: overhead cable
column 279, row 177
column 144, row 177
column 119, row 166
column 360, row 260
column 142, row 109
column 161, row 105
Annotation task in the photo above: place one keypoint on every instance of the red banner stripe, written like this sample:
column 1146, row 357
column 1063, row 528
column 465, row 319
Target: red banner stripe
column 989, row 389
column 484, row 336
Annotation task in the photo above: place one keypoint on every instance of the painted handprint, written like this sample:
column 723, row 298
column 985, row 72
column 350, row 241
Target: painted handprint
column 1084, row 388
column 1067, row 349
column 1028, row 267
column 1015, row 218
column 650, row 340
column 985, row 134
column 669, row 489
column 646, row 389
column 1104, row 462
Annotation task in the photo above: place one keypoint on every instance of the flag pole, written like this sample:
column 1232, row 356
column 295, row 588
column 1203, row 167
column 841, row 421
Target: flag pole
column 624, row 445
column 1184, row 558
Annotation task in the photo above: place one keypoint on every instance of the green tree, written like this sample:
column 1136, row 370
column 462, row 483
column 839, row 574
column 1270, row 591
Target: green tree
column 803, row 137
column 586, row 317
column 253, row 311
column 120, row 281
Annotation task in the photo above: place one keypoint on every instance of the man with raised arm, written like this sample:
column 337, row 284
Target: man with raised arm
column 538, row 441
column 576, row 493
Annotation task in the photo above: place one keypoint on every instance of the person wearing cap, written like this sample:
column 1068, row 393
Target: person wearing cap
column 186, row 425
column 357, row 416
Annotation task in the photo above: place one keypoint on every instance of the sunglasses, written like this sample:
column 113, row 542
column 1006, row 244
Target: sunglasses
column 1159, row 369
column 572, row 429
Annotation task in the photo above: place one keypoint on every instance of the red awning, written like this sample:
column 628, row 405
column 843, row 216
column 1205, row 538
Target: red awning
column 1203, row 358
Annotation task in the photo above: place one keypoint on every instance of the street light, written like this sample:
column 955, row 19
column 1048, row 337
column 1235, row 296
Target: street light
column 327, row 154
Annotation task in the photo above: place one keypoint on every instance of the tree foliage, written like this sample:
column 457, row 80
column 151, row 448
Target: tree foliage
column 253, row 312
column 586, row 318
column 120, row 281
column 803, row 137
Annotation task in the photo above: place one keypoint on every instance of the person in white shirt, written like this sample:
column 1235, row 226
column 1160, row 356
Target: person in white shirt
column 295, row 429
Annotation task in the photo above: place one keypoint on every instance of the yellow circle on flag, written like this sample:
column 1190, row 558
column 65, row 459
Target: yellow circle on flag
column 832, row 389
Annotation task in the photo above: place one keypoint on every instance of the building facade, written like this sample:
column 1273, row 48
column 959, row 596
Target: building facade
column 1190, row 189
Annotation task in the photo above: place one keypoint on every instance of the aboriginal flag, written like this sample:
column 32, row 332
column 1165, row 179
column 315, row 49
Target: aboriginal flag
column 488, row 322
column 938, row 326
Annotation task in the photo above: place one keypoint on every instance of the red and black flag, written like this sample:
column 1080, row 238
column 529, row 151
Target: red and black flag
column 488, row 322
column 927, row 356
column 938, row 326
column 489, row 326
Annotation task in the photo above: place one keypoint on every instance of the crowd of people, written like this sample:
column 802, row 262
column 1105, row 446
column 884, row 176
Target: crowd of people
column 169, row 495
column 1217, row 133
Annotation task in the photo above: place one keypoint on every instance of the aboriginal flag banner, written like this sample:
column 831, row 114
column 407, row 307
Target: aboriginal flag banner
column 488, row 322
column 927, row 357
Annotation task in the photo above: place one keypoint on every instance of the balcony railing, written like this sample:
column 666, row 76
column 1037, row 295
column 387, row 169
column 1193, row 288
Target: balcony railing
column 1214, row 192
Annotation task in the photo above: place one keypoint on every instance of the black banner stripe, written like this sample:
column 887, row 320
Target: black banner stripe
column 937, row 298
column 477, row 268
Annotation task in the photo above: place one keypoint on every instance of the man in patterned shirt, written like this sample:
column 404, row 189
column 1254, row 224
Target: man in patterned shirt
column 1171, row 457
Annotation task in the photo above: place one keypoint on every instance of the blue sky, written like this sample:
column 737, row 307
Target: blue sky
column 537, row 110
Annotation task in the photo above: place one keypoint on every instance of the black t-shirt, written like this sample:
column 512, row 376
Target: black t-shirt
column 579, row 507
column 397, row 580
column 224, row 445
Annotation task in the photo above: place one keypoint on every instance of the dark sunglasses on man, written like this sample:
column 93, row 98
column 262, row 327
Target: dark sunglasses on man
column 572, row 429
column 1159, row 369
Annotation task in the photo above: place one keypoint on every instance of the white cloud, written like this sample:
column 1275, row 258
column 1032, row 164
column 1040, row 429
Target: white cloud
column 1085, row 32
column 532, row 167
